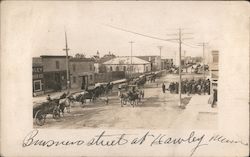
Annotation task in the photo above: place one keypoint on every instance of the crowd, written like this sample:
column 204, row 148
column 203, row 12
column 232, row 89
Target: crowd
column 200, row 86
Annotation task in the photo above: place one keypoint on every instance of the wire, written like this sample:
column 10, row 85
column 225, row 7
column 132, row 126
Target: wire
column 190, row 45
column 152, row 37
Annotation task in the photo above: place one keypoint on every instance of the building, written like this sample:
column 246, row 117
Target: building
column 54, row 72
column 214, row 69
column 166, row 63
column 37, row 76
column 81, row 72
column 128, row 65
column 155, row 62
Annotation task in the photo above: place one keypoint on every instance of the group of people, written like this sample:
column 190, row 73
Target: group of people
column 200, row 86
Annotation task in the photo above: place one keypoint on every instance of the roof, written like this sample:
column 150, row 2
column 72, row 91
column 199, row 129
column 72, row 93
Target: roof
column 54, row 56
column 148, row 58
column 126, row 60
column 81, row 59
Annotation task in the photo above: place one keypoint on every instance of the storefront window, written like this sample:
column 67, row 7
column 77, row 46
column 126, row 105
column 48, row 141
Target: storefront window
column 37, row 85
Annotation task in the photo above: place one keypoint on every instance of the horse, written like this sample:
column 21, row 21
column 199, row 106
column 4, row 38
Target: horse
column 64, row 103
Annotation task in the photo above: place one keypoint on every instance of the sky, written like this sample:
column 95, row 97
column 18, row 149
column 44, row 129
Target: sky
column 44, row 24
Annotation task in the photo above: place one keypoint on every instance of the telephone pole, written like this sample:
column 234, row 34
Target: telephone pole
column 131, row 52
column 203, row 44
column 160, row 47
column 180, row 39
column 67, row 62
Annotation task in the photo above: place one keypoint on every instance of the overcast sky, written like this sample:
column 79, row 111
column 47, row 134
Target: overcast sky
column 85, row 22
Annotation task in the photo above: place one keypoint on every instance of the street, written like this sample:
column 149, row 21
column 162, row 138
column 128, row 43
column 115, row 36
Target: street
column 157, row 110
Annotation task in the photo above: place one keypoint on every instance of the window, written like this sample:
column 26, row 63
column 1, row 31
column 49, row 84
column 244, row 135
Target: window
column 90, row 67
column 37, row 85
column 90, row 77
column 111, row 69
column 215, row 58
column 74, row 79
column 57, row 65
column 74, row 67
column 124, row 68
column 117, row 68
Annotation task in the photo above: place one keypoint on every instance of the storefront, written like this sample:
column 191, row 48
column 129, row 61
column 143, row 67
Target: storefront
column 38, row 80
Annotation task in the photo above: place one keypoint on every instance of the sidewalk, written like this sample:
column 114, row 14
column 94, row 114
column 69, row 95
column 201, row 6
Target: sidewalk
column 197, row 115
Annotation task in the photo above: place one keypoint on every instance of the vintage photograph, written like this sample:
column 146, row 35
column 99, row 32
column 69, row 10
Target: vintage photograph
column 133, row 66
column 124, row 78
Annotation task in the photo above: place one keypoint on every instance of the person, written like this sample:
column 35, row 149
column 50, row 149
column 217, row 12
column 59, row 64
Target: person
column 163, row 87
column 48, row 98
column 119, row 92
column 215, row 98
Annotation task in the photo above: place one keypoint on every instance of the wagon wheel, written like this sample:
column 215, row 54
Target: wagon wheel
column 56, row 113
column 40, row 117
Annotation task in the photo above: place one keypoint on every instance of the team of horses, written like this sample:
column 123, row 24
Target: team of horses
column 91, row 94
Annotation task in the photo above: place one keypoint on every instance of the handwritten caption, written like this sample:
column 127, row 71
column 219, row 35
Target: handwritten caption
column 109, row 140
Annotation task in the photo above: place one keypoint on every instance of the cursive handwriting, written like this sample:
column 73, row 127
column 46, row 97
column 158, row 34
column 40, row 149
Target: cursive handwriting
column 31, row 140
column 162, row 139
column 111, row 140
column 104, row 140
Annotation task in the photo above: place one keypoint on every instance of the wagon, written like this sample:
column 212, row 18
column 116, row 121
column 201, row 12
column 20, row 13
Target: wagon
column 40, row 111
column 132, row 97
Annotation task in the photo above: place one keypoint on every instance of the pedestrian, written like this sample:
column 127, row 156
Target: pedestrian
column 48, row 98
column 163, row 87
column 215, row 98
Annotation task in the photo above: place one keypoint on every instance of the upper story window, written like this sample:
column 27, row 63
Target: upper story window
column 57, row 65
column 215, row 58
column 74, row 67
column 117, row 68
column 90, row 67
column 111, row 69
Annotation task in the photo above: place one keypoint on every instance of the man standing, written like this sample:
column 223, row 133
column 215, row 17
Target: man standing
column 163, row 87
column 215, row 98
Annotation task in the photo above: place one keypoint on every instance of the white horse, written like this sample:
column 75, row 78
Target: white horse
column 64, row 103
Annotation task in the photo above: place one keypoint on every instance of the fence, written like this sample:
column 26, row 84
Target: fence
column 109, row 76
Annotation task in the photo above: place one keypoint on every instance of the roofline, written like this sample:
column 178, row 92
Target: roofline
column 54, row 56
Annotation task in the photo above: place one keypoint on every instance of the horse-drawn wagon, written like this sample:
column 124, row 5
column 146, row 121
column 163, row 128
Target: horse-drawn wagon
column 133, row 96
column 40, row 111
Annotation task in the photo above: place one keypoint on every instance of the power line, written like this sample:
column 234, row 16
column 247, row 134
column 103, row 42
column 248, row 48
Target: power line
column 145, row 35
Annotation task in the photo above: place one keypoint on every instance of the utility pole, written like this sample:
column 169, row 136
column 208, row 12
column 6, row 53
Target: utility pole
column 160, row 47
column 203, row 44
column 180, row 40
column 131, row 51
column 67, row 62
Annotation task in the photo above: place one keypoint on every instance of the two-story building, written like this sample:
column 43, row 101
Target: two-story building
column 37, row 76
column 214, row 69
column 54, row 71
column 81, row 72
